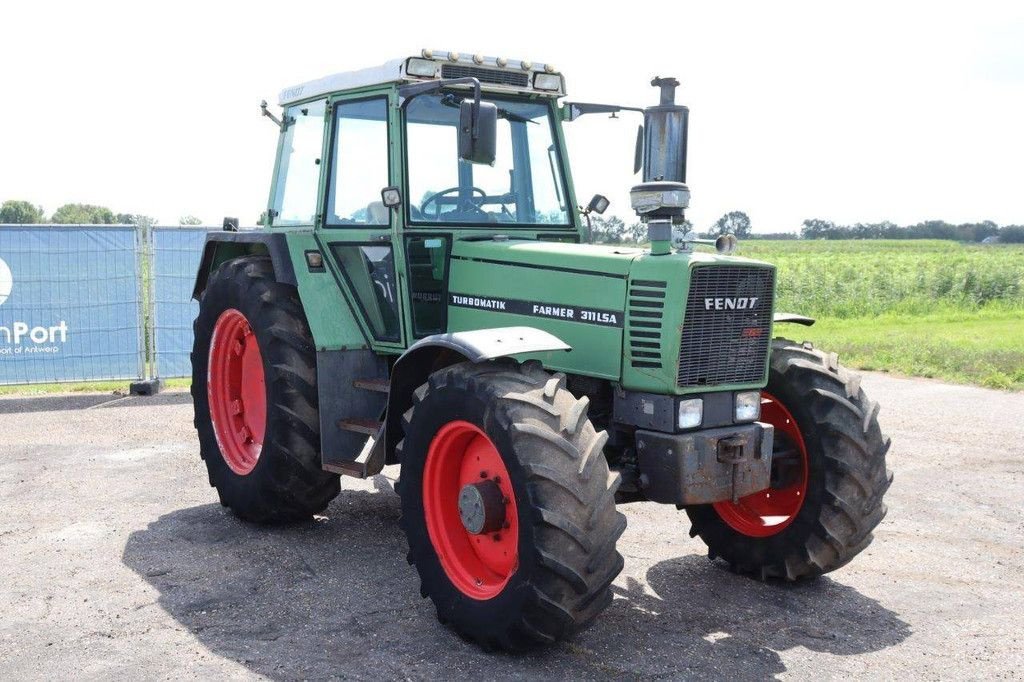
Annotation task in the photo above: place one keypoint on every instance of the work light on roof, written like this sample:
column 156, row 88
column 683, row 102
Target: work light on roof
column 547, row 81
column 426, row 68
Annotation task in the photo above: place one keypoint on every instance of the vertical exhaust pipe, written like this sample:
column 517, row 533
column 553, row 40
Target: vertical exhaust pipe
column 662, row 197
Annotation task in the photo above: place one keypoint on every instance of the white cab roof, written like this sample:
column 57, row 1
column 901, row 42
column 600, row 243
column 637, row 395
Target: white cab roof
column 502, row 70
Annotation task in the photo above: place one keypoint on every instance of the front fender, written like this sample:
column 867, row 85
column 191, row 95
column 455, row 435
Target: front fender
column 441, row 350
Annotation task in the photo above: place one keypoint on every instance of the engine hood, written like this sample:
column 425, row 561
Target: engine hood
column 585, row 258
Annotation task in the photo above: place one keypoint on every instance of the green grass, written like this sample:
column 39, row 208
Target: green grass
column 983, row 348
column 83, row 387
column 921, row 308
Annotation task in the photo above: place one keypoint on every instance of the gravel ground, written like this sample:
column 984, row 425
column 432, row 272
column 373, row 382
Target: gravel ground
column 118, row 562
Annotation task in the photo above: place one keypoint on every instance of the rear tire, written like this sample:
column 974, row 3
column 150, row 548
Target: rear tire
column 277, row 477
column 519, row 422
column 831, row 516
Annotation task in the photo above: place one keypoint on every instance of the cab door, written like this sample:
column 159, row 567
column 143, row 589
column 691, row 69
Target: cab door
column 355, row 228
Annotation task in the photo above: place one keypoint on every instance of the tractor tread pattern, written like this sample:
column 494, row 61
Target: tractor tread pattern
column 575, row 524
column 837, row 524
column 288, row 483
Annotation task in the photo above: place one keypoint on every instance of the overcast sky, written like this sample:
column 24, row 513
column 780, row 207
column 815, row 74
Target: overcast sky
column 872, row 111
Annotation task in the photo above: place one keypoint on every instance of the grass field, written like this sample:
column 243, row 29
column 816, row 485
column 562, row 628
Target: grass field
column 922, row 308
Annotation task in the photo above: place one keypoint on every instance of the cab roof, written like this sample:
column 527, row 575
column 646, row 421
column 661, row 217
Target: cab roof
column 494, row 73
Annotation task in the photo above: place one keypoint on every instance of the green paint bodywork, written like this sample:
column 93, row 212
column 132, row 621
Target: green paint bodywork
column 549, row 267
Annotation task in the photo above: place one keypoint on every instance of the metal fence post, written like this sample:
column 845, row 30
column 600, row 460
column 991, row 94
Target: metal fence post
column 150, row 384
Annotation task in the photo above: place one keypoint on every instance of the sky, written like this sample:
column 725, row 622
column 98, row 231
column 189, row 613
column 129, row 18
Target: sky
column 853, row 112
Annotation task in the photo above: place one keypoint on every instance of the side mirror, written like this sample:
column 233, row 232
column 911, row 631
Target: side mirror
column 598, row 205
column 478, row 123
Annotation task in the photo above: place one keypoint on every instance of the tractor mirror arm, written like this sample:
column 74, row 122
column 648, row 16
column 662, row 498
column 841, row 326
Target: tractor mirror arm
column 283, row 125
column 573, row 110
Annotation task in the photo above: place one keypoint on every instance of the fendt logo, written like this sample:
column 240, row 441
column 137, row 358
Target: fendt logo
column 6, row 281
column 14, row 337
column 739, row 303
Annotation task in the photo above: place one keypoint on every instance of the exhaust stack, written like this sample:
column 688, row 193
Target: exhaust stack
column 662, row 197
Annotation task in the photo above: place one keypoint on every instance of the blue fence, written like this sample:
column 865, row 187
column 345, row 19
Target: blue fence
column 96, row 302
column 176, row 255
column 70, row 304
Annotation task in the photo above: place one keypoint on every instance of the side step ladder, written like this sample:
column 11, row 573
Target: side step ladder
column 370, row 461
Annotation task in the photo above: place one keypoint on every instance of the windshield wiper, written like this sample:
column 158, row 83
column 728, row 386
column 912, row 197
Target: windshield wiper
column 451, row 100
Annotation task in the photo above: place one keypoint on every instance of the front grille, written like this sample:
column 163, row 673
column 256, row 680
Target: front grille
column 727, row 325
column 516, row 79
column 646, row 308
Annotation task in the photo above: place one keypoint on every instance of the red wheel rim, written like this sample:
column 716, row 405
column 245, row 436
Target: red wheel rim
column 768, row 512
column 481, row 565
column 237, row 393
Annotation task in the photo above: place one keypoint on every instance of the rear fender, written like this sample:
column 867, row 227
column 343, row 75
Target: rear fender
column 223, row 246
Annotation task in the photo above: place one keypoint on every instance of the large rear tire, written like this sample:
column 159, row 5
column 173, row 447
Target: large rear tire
column 533, row 562
column 828, row 475
column 255, row 396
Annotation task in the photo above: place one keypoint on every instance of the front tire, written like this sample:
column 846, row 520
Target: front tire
column 538, row 566
column 255, row 396
column 828, row 475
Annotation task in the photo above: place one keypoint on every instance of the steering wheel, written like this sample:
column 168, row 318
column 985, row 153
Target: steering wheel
column 461, row 204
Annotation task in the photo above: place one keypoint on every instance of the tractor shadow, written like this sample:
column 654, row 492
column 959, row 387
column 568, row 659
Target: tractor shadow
column 335, row 598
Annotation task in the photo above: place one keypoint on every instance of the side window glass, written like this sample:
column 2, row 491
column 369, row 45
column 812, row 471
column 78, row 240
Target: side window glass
column 428, row 283
column 370, row 274
column 298, row 175
column 359, row 170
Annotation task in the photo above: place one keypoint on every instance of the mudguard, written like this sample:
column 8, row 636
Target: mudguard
column 440, row 350
column 222, row 246
column 794, row 318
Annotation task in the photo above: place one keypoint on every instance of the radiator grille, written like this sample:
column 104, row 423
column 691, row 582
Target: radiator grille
column 725, row 337
column 517, row 79
column 646, row 308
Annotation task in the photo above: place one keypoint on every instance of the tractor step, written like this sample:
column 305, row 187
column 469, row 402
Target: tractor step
column 369, row 462
column 376, row 385
column 368, row 426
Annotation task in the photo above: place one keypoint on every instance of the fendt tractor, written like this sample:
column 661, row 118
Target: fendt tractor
column 423, row 293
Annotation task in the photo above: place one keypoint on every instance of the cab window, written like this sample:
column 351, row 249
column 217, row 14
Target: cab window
column 359, row 165
column 298, row 173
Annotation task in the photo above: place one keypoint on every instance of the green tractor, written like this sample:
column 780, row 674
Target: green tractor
column 422, row 293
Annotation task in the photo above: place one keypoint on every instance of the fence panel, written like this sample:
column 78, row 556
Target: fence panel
column 176, row 255
column 70, row 304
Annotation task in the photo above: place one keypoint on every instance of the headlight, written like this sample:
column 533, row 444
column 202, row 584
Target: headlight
column 691, row 413
column 424, row 68
column 547, row 81
column 748, row 406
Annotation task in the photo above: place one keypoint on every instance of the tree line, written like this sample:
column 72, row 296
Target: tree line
column 614, row 230
column 816, row 228
column 16, row 212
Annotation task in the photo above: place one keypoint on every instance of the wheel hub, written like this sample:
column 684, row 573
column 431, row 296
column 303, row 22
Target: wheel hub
column 469, row 506
column 482, row 507
column 236, row 391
